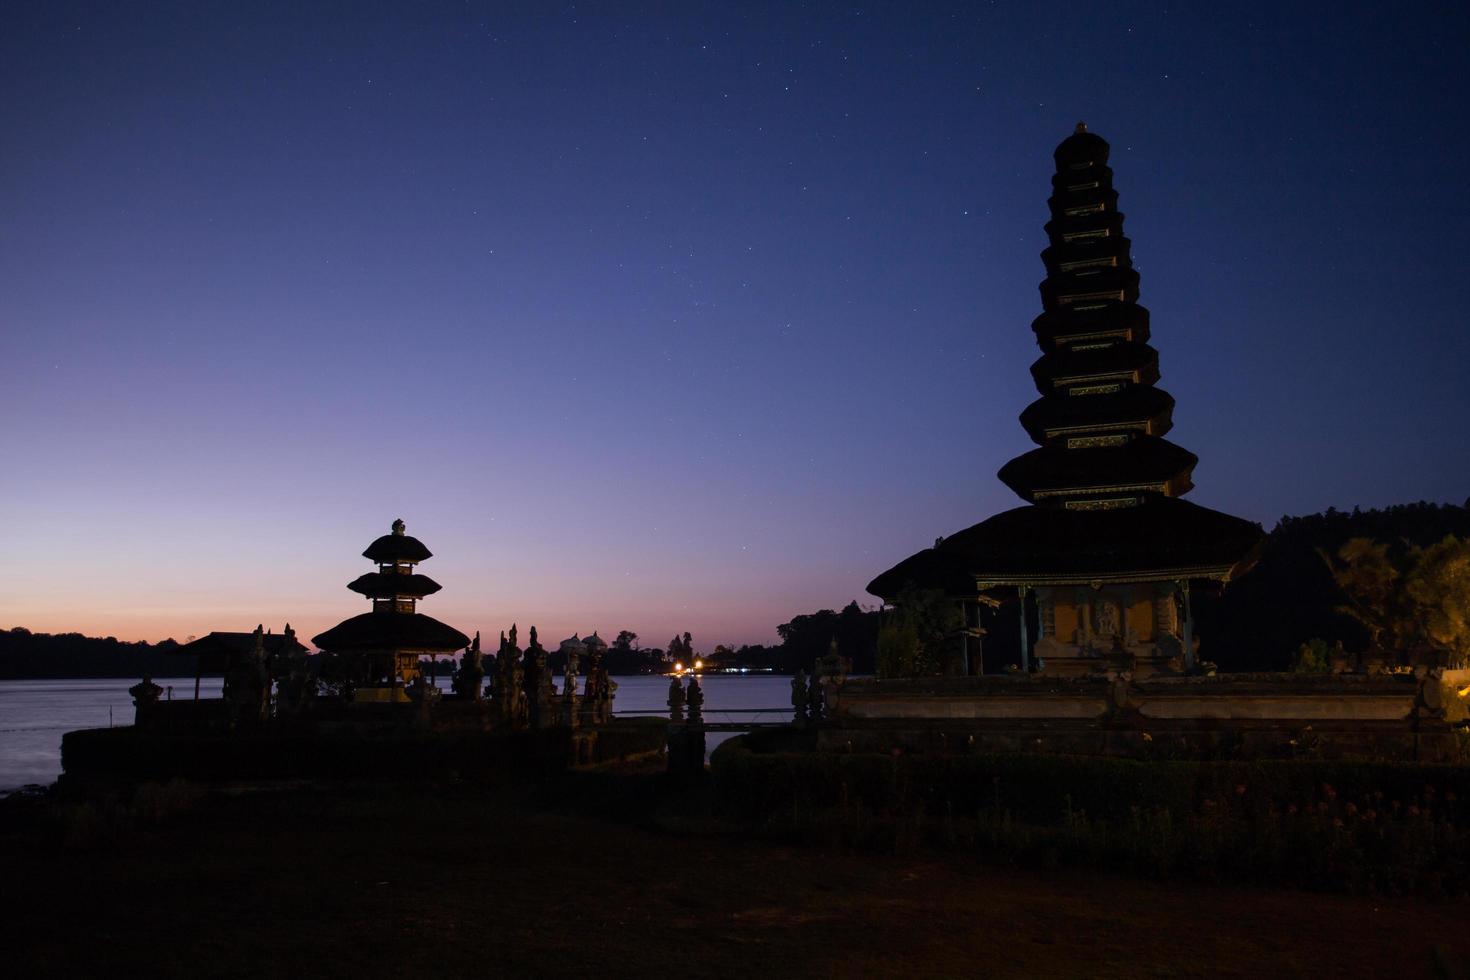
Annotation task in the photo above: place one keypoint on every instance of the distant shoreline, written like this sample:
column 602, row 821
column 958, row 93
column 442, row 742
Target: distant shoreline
column 134, row 677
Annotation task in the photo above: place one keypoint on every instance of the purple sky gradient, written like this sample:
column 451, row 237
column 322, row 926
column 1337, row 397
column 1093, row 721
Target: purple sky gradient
column 676, row 317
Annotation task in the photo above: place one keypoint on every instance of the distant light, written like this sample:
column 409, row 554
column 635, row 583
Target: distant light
column 678, row 668
column 699, row 665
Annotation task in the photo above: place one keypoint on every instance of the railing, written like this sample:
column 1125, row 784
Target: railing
column 721, row 719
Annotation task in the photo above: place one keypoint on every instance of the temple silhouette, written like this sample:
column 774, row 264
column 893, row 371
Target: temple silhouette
column 1096, row 568
column 1104, row 554
column 385, row 645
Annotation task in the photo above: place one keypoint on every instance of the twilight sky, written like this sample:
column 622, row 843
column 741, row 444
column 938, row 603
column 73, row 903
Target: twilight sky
column 677, row 316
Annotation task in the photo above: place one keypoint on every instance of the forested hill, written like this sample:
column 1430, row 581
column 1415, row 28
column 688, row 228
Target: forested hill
column 1415, row 524
column 26, row 655
column 1290, row 597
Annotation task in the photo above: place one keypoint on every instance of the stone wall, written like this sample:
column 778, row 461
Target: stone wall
column 1391, row 716
column 141, row 753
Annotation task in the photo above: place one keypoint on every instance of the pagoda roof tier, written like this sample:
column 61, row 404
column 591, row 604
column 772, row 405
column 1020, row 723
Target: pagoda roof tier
column 1115, row 284
column 391, row 631
column 1081, row 151
column 1111, row 321
column 1062, row 369
column 220, row 648
column 1143, row 464
column 1099, row 198
column 394, row 585
column 397, row 547
column 1065, row 180
column 1083, row 227
column 1109, row 251
column 1132, row 408
column 1161, row 539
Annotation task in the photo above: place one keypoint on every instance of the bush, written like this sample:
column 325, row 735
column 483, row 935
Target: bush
column 1315, row 656
column 1344, row 825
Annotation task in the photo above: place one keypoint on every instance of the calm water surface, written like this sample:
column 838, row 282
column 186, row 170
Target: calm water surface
column 35, row 714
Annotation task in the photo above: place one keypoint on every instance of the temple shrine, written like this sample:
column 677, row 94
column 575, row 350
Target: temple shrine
column 1104, row 552
column 385, row 645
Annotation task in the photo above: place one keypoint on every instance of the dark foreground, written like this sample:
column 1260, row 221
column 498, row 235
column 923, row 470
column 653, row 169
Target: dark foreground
column 458, row 880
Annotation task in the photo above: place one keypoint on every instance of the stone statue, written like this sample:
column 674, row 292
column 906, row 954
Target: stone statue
column 694, row 698
column 471, row 674
column 832, row 669
column 1170, row 647
column 605, row 699
column 419, row 689
column 145, row 695
column 295, row 683
column 494, row 675
column 538, row 684
column 247, row 685
column 799, row 697
column 591, row 689
column 1120, row 657
column 1123, row 707
column 832, row 663
column 1429, row 705
column 1119, row 696
column 569, row 675
column 598, row 697
column 510, row 692
column 1107, row 620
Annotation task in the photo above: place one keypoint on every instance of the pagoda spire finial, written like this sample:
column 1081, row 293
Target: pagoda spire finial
column 1081, row 128
column 400, row 528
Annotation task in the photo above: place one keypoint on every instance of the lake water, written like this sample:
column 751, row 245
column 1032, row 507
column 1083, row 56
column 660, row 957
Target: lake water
column 35, row 714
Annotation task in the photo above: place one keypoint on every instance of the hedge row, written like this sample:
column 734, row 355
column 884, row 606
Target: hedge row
column 1390, row 827
column 1045, row 786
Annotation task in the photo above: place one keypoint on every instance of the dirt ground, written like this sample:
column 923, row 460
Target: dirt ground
column 436, row 881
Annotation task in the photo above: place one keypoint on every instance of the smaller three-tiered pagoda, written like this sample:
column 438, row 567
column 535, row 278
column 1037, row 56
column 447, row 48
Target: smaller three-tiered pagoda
column 383, row 647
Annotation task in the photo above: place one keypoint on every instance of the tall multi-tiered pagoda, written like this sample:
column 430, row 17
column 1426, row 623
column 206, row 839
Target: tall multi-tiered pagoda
column 1105, row 543
column 385, row 645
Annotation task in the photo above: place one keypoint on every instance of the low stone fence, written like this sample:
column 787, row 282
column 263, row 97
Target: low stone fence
column 206, row 714
column 1390, row 716
column 284, row 753
column 334, row 716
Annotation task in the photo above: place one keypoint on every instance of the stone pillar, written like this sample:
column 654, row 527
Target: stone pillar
column 694, row 732
column 145, row 695
column 1025, row 632
column 686, row 738
column 1188, row 631
column 799, row 698
column 965, row 638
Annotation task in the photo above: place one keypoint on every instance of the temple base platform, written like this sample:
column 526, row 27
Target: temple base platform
column 381, row 695
column 1400, row 716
